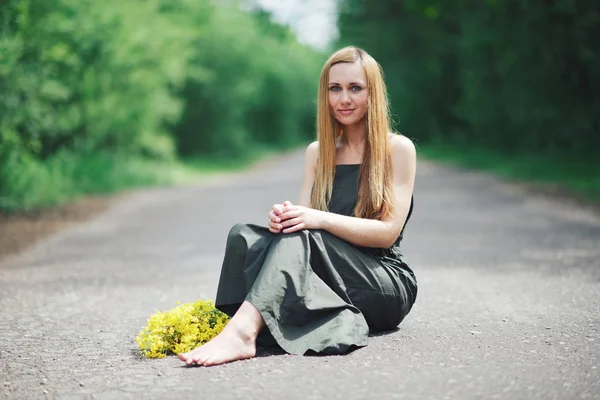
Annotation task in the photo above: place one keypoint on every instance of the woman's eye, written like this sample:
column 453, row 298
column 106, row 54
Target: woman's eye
column 356, row 88
column 334, row 88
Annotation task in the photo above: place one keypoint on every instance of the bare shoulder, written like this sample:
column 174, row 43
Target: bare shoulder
column 313, row 148
column 312, row 154
column 404, row 159
column 402, row 148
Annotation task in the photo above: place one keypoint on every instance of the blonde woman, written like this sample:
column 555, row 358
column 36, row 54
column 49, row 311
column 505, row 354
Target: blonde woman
column 328, row 271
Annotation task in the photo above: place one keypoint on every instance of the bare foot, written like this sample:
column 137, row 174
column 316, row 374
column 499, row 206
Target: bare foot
column 237, row 341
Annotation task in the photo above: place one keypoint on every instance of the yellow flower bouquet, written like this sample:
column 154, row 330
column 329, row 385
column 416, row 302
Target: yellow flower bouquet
column 181, row 329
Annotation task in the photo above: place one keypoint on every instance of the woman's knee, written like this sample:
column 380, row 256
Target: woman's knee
column 236, row 232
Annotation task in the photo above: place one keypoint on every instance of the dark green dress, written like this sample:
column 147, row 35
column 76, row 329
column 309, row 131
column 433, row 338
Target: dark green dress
column 314, row 290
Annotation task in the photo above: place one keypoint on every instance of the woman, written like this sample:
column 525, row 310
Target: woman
column 326, row 272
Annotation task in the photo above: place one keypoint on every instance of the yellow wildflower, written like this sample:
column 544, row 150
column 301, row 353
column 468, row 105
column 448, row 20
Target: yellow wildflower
column 180, row 329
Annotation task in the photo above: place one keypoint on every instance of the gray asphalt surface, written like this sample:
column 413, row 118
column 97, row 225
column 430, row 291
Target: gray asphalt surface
column 508, row 304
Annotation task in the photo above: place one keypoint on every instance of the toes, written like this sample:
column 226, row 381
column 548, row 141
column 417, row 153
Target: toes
column 188, row 358
column 199, row 358
column 195, row 356
column 191, row 360
column 208, row 363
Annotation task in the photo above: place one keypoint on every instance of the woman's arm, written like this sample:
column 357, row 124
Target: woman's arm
column 362, row 231
column 310, row 171
column 308, row 178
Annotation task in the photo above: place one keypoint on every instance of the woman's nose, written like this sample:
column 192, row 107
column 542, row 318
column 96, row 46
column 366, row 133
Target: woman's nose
column 345, row 97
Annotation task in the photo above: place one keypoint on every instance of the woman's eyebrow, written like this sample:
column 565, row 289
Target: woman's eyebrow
column 351, row 83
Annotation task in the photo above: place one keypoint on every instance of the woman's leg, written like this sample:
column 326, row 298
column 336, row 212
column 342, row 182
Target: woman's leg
column 237, row 341
column 382, row 289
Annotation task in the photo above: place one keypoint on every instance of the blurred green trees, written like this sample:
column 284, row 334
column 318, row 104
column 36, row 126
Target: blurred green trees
column 517, row 76
column 88, row 86
column 88, row 83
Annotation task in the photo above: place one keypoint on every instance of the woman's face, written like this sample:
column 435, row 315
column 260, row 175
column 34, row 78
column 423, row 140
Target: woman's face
column 348, row 92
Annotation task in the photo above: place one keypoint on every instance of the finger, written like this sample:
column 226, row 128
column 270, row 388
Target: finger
column 274, row 230
column 275, row 226
column 287, row 209
column 287, row 203
column 274, row 217
column 277, row 208
column 289, row 215
column 295, row 228
column 290, row 222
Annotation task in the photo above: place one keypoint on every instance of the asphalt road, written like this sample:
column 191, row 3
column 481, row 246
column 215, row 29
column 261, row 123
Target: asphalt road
column 508, row 305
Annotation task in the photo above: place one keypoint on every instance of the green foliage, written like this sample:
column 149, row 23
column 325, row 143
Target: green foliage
column 572, row 174
column 246, row 86
column 66, row 175
column 516, row 76
column 137, row 78
column 87, row 75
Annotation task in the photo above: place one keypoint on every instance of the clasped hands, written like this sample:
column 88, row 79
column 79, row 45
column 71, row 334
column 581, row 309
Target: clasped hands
column 288, row 218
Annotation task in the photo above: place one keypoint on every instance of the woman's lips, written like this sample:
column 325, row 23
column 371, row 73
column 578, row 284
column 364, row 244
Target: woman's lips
column 345, row 112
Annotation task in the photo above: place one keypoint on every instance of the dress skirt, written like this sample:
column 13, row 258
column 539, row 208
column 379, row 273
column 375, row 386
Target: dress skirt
column 314, row 290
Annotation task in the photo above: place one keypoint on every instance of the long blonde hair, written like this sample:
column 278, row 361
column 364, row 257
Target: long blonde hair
column 375, row 191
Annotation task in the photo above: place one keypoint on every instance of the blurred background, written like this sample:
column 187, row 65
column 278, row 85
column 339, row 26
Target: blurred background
column 97, row 96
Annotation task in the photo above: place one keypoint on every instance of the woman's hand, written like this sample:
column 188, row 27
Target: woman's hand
column 295, row 218
column 288, row 218
column 275, row 219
